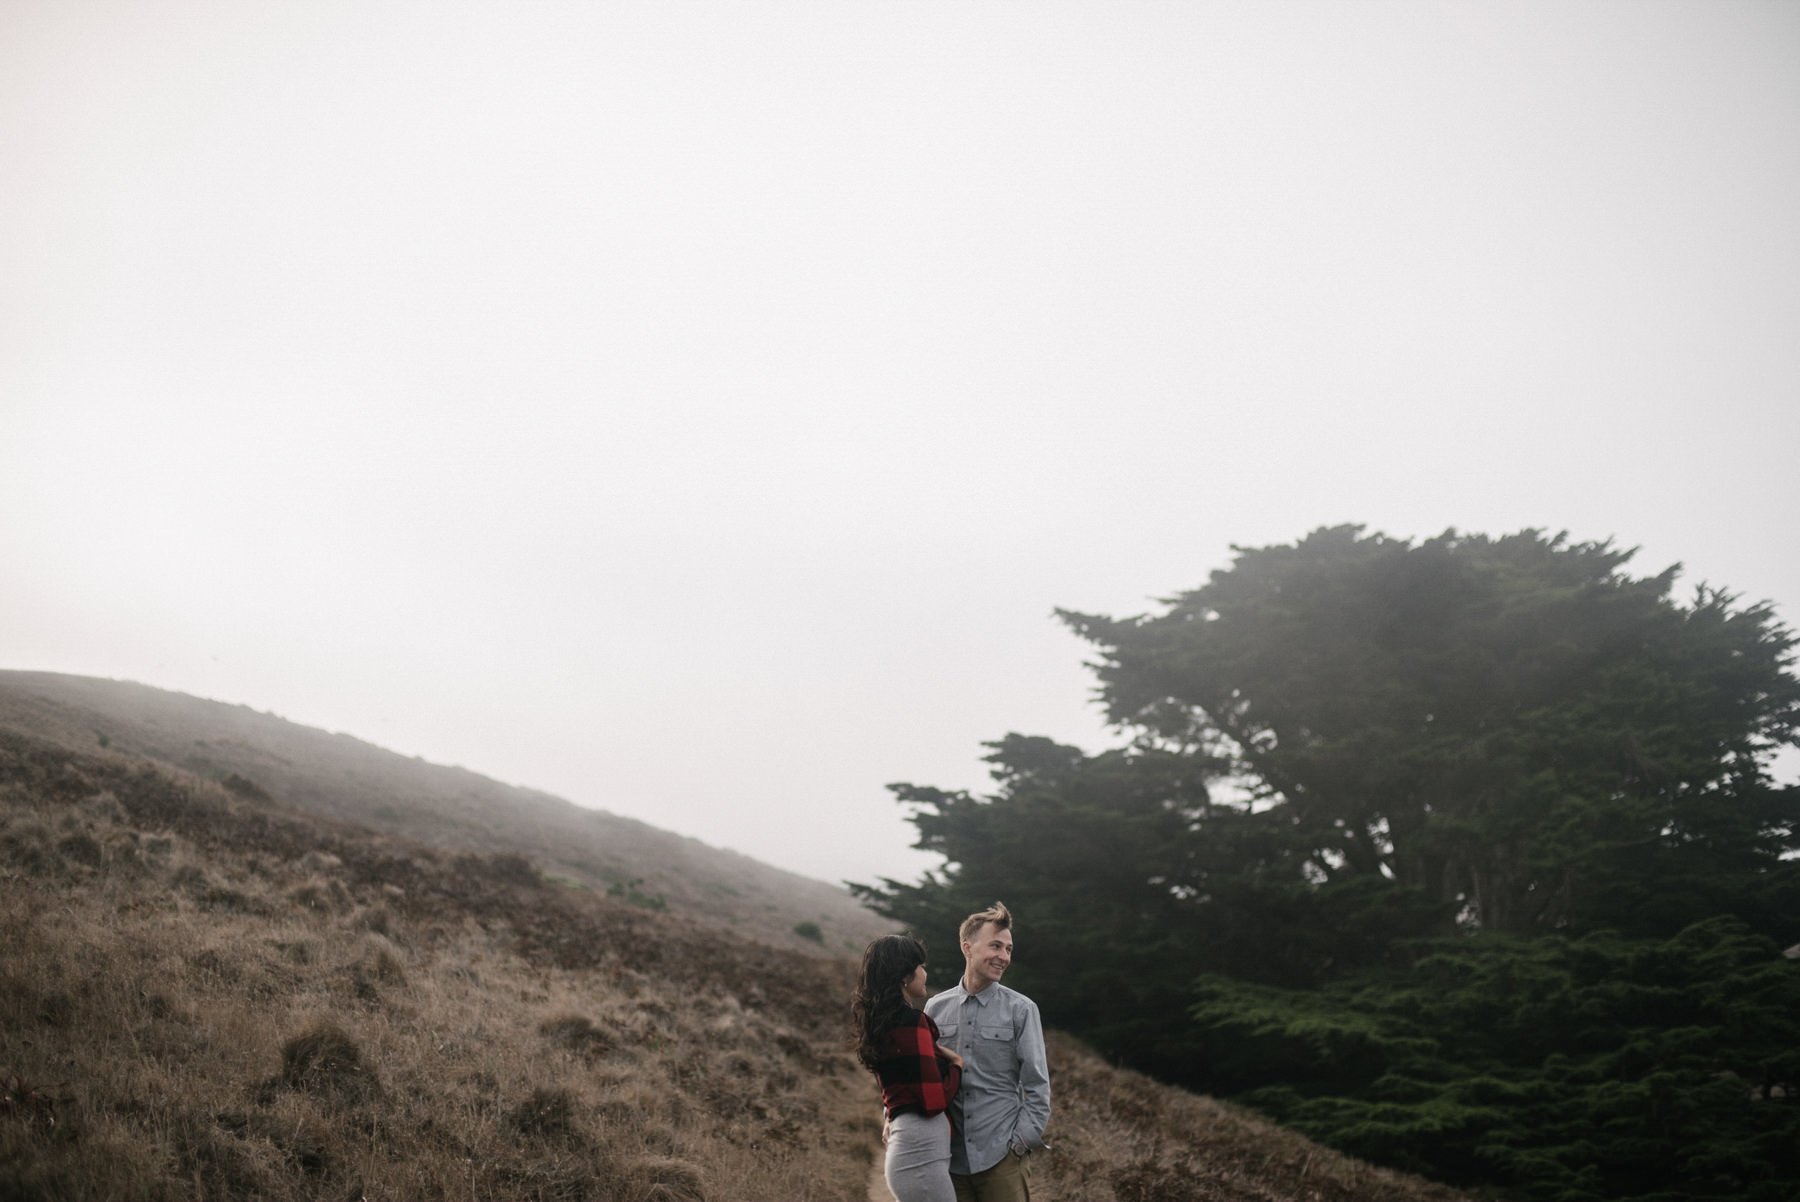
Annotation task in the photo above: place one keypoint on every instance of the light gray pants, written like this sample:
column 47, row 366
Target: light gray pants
column 918, row 1158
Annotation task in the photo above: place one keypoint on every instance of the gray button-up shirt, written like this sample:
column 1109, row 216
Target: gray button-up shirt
column 1004, row 1100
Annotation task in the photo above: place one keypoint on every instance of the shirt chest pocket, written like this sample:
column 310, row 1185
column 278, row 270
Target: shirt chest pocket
column 993, row 1047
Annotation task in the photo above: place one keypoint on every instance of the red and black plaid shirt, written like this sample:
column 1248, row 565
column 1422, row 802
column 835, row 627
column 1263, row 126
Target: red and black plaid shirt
column 915, row 1076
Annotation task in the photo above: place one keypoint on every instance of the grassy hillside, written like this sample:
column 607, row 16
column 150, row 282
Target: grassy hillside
column 207, row 996
column 210, row 995
column 449, row 808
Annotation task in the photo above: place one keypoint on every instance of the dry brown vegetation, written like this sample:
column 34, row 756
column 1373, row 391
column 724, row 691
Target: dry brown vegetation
column 205, row 994
column 335, row 775
column 202, row 997
column 1119, row 1135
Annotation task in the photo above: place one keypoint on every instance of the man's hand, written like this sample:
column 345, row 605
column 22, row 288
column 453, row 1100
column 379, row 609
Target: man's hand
column 950, row 1055
column 884, row 1128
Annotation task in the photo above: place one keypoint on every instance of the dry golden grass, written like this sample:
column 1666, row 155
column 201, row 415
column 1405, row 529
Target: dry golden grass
column 204, row 995
column 196, row 1005
column 1117, row 1135
column 337, row 776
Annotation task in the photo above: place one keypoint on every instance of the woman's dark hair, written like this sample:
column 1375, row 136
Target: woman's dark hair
column 878, row 1003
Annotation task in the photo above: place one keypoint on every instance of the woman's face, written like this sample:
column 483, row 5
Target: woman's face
column 914, row 986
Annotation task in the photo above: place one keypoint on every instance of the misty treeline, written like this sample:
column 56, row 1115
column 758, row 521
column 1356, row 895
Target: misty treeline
column 1462, row 856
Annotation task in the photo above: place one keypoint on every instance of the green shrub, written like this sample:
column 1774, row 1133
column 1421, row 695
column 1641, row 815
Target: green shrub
column 1568, row 1069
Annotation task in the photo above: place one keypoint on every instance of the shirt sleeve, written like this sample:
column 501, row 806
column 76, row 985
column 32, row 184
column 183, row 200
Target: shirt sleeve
column 936, row 1087
column 1034, row 1081
column 912, row 1070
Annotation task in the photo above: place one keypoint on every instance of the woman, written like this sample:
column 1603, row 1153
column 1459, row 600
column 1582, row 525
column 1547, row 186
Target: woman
column 898, row 1043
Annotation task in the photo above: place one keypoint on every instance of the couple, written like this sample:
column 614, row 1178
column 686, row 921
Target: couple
column 964, row 1082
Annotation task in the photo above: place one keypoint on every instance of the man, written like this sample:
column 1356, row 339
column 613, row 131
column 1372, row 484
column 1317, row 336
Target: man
column 1000, row 1111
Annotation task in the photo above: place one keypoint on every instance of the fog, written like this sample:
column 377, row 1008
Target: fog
column 696, row 410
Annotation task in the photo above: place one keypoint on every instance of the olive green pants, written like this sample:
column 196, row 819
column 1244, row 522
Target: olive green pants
column 1008, row 1181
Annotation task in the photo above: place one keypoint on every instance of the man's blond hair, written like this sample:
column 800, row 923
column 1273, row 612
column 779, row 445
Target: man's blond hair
column 997, row 914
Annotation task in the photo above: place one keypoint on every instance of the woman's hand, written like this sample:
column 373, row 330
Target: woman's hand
column 949, row 1055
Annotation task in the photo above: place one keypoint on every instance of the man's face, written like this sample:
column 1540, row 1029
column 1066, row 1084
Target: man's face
column 988, row 952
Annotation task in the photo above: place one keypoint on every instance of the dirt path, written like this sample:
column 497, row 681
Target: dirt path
column 878, row 1190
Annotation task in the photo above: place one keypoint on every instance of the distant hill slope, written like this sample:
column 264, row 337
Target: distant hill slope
column 342, row 777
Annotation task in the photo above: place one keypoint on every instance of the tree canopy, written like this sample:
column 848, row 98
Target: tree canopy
column 1512, row 725
column 1355, row 762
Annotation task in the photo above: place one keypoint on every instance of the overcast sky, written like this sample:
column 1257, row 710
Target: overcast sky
column 696, row 409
